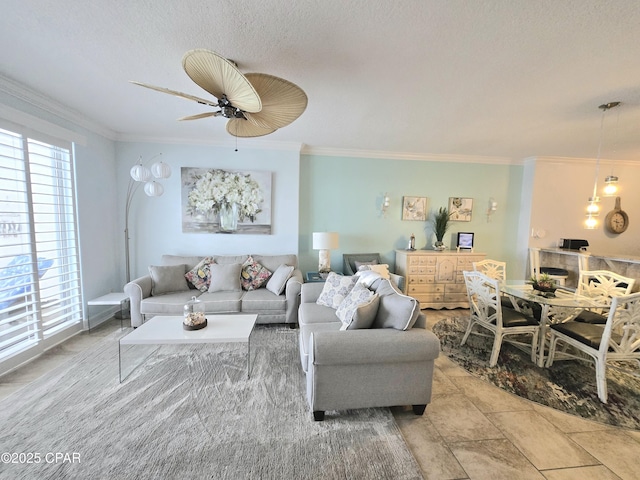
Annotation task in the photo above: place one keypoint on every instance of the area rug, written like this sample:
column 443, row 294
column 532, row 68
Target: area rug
column 569, row 385
column 190, row 412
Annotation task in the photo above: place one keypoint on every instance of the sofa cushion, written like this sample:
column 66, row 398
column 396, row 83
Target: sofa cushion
column 359, row 296
column 272, row 262
column 309, row 313
column 225, row 278
column 168, row 304
column 253, row 274
column 335, row 290
column 167, row 278
column 278, row 280
column 189, row 261
column 228, row 259
column 222, row 302
column 200, row 275
column 262, row 300
column 395, row 310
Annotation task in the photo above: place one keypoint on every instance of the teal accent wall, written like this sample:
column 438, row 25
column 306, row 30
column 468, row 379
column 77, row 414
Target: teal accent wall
column 344, row 194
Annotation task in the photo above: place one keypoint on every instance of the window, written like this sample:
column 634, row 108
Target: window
column 40, row 289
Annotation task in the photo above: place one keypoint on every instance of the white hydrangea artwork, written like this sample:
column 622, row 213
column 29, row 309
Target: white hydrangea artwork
column 209, row 193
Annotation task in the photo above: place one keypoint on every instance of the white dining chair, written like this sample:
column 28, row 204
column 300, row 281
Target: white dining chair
column 492, row 268
column 602, row 285
column 617, row 340
column 486, row 311
column 560, row 275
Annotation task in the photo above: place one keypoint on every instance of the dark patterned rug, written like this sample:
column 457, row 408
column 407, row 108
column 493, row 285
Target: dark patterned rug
column 569, row 385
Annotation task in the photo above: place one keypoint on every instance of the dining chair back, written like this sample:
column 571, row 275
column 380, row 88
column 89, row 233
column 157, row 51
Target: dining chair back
column 603, row 286
column 492, row 269
column 560, row 275
column 617, row 340
column 485, row 310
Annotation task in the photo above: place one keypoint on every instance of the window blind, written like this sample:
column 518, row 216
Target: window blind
column 40, row 289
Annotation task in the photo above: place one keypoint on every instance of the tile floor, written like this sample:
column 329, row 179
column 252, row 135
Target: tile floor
column 471, row 430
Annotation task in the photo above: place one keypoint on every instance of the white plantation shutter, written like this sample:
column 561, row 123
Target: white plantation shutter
column 40, row 290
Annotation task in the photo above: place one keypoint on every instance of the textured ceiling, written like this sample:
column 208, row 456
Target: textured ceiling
column 497, row 78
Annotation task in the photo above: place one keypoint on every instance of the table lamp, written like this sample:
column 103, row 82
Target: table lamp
column 325, row 241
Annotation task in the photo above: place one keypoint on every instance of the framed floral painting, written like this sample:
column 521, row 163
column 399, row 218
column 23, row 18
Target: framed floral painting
column 225, row 201
column 414, row 208
column 460, row 209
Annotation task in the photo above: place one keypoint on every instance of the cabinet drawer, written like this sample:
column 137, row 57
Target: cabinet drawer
column 426, row 288
column 426, row 298
column 456, row 297
column 456, row 288
column 421, row 270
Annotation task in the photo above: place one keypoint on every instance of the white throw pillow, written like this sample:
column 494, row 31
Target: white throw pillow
column 335, row 289
column 382, row 269
column 167, row 279
column 225, row 278
column 278, row 280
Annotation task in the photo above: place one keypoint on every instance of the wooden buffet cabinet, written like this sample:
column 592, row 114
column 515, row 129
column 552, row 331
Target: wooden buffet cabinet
column 434, row 278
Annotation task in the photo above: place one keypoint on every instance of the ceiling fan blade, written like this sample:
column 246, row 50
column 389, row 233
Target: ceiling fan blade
column 199, row 116
column 177, row 94
column 219, row 77
column 239, row 127
column 282, row 101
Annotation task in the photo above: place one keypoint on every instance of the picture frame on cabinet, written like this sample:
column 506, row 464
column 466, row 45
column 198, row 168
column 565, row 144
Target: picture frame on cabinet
column 414, row 208
column 460, row 209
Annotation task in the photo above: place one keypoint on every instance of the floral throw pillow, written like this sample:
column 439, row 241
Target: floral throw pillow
column 335, row 290
column 360, row 298
column 253, row 274
column 200, row 275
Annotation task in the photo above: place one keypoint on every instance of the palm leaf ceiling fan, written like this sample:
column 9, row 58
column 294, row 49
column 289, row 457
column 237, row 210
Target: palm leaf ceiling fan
column 256, row 104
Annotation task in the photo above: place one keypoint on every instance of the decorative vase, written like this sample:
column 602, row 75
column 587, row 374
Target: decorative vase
column 229, row 218
column 439, row 246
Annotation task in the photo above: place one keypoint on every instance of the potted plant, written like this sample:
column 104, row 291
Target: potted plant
column 543, row 283
column 440, row 223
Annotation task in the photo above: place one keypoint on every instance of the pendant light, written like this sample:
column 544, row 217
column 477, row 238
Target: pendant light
column 611, row 181
column 593, row 208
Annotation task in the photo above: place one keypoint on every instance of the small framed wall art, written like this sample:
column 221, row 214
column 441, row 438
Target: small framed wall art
column 414, row 208
column 460, row 209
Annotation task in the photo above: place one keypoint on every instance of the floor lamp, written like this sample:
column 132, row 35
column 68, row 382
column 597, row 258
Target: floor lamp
column 140, row 174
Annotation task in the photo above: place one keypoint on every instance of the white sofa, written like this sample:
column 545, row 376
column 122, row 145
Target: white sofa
column 271, row 308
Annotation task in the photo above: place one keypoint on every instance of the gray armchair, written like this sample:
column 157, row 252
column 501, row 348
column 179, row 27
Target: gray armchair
column 349, row 261
column 349, row 265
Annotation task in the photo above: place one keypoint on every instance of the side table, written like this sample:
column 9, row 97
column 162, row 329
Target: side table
column 315, row 277
column 115, row 298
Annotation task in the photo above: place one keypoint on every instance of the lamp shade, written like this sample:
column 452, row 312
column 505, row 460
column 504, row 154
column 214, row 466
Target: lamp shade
column 325, row 240
column 153, row 189
column 140, row 173
column 161, row 170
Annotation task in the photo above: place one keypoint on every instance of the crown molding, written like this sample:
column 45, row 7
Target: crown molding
column 42, row 102
column 423, row 157
column 579, row 161
column 230, row 142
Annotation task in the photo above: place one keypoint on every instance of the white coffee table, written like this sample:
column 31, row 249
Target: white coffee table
column 168, row 330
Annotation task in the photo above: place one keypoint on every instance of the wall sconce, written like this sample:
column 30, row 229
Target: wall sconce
column 325, row 241
column 386, row 201
column 493, row 206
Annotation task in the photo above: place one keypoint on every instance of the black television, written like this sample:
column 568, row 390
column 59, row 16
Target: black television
column 465, row 241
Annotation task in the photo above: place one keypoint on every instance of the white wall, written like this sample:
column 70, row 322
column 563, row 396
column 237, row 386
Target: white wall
column 155, row 222
column 559, row 197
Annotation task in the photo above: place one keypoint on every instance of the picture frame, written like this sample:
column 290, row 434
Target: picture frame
column 414, row 208
column 465, row 241
column 460, row 209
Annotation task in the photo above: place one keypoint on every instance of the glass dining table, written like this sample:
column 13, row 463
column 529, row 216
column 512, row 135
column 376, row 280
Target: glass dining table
column 562, row 306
